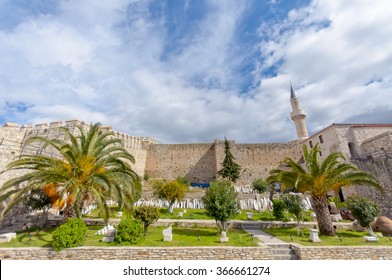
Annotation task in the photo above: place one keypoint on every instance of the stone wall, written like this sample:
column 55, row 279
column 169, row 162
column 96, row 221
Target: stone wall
column 201, row 162
column 197, row 253
column 139, row 253
column 381, row 168
column 382, row 142
column 343, row 253
column 193, row 161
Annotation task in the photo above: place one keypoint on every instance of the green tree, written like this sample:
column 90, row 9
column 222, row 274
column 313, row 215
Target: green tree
column 39, row 200
column 171, row 191
column 260, row 185
column 364, row 210
column 230, row 170
column 90, row 164
column 147, row 215
column 221, row 203
column 279, row 209
column 295, row 205
column 318, row 178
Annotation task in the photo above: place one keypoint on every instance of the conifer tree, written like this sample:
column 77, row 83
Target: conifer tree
column 230, row 170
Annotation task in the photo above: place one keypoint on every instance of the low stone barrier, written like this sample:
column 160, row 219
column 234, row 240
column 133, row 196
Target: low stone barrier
column 343, row 253
column 139, row 253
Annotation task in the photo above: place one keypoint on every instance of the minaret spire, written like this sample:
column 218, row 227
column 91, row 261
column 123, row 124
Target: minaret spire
column 298, row 115
column 292, row 93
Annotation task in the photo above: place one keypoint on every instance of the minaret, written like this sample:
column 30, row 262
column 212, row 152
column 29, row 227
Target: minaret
column 298, row 116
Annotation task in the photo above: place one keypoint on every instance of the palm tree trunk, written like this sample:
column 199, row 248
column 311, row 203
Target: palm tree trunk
column 322, row 215
column 69, row 212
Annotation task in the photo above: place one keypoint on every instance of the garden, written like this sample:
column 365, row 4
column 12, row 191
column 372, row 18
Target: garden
column 95, row 169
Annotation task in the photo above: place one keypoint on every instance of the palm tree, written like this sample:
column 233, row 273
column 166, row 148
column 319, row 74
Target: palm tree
column 89, row 165
column 319, row 178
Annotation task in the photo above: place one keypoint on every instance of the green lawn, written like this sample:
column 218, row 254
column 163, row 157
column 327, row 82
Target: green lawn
column 181, row 237
column 347, row 238
column 194, row 214
column 200, row 214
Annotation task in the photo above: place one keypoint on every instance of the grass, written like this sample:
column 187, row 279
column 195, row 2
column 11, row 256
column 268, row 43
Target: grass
column 200, row 214
column 347, row 238
column 193, row 214
column 181, row 237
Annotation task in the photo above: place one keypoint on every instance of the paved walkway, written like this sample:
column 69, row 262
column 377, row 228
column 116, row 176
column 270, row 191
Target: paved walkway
column 264, row 237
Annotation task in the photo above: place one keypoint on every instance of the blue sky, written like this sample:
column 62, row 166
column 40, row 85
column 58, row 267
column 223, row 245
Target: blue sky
column 195, row 71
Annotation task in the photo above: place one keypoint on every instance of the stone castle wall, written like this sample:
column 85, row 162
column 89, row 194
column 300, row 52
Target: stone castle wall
column 193, row 161
column 381, row 167
column 201, row 162
column 13, row 137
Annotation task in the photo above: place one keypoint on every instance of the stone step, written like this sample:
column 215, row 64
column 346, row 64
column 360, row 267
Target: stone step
column 250, row 226
column 281, row 251
column 285, row 257
column 280, row 245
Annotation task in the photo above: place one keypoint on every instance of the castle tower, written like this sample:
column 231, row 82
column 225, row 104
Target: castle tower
column 298, row 116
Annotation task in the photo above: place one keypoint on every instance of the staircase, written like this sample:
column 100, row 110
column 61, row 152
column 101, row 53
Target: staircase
column 283, row 251
column 280, row 249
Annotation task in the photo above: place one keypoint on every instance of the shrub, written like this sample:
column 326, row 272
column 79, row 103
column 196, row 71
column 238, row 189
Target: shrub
column 363, row 210
column 183, row 180
column 278, row 209
column 129, row 231
column 147, row 215
column 70, row 234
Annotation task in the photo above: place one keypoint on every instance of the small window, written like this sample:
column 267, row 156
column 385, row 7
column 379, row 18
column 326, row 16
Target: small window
column 310, row 144
column 321, row 139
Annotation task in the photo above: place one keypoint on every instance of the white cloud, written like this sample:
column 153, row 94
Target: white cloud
column 331, row 51
column 103, row 61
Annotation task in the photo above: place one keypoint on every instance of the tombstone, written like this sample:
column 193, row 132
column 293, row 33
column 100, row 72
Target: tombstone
column 7, row 237
column 313, row 237
column 370, row 238
column 184, row 211
column 167, row 234
column 224, row 238
column 119, row 214
column 333, row 209
column 250, row 215
column 104, row 230
column 109, row 236
column 336, row 217
column 180, row 214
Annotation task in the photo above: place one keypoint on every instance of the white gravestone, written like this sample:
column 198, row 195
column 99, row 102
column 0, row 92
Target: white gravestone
column 370, row 238
column 7, row 237
column 104, row 230
column 109, row 236
column 167, row 234
column 314, row 235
